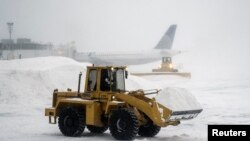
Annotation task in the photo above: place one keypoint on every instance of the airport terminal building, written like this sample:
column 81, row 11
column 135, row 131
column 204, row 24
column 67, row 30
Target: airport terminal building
column 23, row 48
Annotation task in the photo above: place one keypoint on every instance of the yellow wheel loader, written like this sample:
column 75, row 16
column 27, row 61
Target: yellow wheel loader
column 105, row 104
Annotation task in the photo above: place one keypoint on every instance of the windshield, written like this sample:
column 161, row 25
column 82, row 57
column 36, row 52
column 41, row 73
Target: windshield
column 119, row 81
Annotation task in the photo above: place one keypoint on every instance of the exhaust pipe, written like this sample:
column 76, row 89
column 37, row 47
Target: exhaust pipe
column 79, row 82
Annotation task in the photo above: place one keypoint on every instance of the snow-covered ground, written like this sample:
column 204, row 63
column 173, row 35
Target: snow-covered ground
column 26, row 88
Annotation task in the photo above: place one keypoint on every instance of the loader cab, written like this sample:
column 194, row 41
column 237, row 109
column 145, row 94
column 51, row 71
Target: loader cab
column 105, row 79
column 112, row 79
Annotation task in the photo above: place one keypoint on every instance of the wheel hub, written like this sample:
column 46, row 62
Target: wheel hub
column 68, row 121
column 121, row 125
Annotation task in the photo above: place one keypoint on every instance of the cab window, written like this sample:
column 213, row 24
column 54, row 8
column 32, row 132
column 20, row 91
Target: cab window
column 92, row 80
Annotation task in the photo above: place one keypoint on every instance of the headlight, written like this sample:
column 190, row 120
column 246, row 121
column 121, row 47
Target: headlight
column 170, row 66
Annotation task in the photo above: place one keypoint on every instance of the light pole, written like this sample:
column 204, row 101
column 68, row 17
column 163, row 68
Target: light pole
column 10, row 28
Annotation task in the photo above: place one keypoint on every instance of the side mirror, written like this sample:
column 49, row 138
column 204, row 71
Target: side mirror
column 126, row 74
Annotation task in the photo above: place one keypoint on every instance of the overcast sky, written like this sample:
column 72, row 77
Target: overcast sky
column 128, row 24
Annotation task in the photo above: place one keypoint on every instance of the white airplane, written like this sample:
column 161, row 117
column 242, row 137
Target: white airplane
column 162, row 49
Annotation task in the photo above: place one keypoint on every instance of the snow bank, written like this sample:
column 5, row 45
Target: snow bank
column 26, row 85
column 178, row 99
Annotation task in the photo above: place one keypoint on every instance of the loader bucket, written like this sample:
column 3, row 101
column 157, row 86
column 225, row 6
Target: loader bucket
column 184, row 115
column 167, row 108
column 182, row 103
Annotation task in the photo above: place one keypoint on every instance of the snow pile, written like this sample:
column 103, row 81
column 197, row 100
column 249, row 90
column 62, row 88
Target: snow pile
column 178, row 99
column 27, row 84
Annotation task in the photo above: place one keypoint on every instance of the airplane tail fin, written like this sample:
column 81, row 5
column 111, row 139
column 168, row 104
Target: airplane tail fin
column 167, row 40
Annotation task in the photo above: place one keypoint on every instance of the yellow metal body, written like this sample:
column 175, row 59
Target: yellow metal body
column 97, row 104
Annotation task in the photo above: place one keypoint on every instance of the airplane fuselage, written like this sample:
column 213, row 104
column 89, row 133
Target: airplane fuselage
column 125, row 58
column 162, row 49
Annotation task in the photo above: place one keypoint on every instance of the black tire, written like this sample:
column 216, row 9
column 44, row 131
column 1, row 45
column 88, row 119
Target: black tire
column 123, row 124
column 149, row 129
column 71, row 122
column 96, row 129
